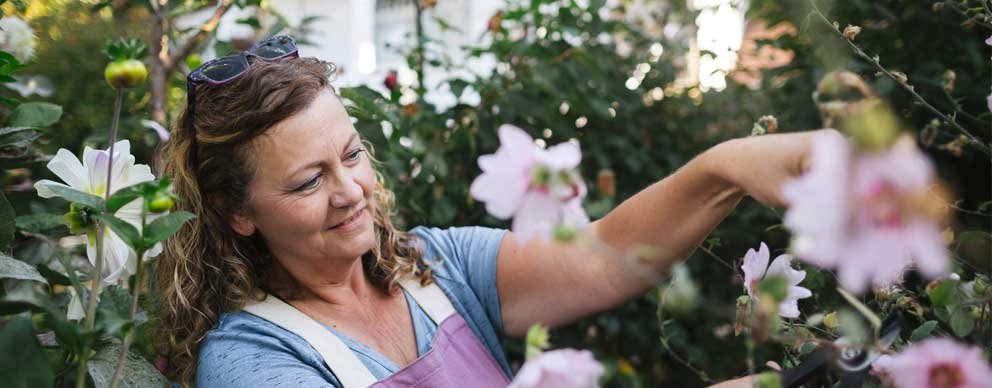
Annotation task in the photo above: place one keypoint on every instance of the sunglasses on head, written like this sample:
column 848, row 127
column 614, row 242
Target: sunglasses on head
column 223, row 70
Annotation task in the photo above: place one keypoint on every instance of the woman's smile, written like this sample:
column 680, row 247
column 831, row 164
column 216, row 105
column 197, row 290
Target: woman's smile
column 353, row 223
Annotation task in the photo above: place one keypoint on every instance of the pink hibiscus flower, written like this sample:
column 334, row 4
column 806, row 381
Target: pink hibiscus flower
column 935, row 363
column 863, row 214
column 756, row 268
column 538, row 188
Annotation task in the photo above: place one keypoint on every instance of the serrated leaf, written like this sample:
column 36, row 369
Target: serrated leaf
column 39, row 222
column 923, row 331
column 124, row 230
column 12, row 268
column 35, row 114
column 165, row 226
column 137, row 373
column 73, row 195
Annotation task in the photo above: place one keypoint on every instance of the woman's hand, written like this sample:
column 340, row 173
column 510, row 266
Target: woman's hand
column 759, row 165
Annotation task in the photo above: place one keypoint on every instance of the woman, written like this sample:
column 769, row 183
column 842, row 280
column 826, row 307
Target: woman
column 292, row 273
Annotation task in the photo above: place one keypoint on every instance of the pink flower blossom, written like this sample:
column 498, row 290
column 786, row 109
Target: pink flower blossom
column 562, row 368
column 935, row 363
column 756, row 268
column 861, row 213
column 538, row 188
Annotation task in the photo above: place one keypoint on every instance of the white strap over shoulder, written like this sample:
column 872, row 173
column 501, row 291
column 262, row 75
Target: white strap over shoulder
column 430, row 298
column 342, row 361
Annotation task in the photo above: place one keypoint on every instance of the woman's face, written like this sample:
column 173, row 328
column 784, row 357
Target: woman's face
column 311, row 197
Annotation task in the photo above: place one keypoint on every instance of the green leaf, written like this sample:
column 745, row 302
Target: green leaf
column 165, row 226
column 114, row 308
column 39, row 222
column 51, row 276
column 962, row 323
column 73, row 195
column 137, row 373
column 124, row 230
column 23, row 362
column 35, row 114
column 7, row 223
column 942, row 293
column 12, row 268
column 923, row 331
column 443, row 211
column 124, row 196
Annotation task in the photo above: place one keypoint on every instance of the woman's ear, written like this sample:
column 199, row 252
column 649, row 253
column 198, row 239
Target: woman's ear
column 242, row 225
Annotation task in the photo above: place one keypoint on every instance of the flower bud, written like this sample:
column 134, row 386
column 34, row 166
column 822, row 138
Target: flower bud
column 850, row 32
column 391, row 81
column 126, row 73
column 161, row 204
column 950, row 77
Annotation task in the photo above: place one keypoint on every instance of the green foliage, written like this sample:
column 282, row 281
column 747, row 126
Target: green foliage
column 35, row 114
column 125, row 48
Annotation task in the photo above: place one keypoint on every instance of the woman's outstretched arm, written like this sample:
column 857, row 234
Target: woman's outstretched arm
column 555, row 284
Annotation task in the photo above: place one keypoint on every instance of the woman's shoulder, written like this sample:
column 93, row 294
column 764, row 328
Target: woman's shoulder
column 244, row 350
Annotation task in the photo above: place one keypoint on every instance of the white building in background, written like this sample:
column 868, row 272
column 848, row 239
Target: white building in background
column 363, row 36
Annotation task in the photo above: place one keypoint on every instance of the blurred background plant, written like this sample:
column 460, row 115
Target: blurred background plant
column 634, row 82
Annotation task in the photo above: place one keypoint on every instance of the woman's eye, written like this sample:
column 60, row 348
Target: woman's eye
column 355, row 154
column 310, row 184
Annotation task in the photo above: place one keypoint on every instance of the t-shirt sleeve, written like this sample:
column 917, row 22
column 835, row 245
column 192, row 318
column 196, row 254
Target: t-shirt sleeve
column 250, row 356
column 470, row 253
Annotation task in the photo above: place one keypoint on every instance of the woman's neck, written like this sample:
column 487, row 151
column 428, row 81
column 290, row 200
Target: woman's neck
column 342, row 286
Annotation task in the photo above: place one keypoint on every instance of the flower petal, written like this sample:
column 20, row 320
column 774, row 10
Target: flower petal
column 782, row 266
column 538, row 215
column 43, row 189
column 562, row 156
column 501, row 194
column 67, row 167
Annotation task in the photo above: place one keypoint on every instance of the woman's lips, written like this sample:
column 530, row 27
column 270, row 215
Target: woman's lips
column 351, row 223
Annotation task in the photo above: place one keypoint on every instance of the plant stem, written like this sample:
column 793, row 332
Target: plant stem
column 97, row 276
column 113, row 138
column 861, row 53
column 130, row 335
column 97, row 280
column 134, row 298
column 421, row 82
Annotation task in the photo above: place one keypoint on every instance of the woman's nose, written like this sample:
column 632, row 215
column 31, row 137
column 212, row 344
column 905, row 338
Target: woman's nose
column 346, row 192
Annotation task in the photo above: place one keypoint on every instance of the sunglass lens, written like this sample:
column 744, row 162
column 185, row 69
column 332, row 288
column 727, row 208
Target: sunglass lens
column 276, row 47
column 223, row 69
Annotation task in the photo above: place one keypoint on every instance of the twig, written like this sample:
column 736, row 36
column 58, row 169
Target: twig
column 857, row 50
column 172, row 61
column 717, row 258
column 671, row 352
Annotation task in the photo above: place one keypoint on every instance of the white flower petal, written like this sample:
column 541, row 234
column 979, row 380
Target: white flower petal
column 67, row 167
column 43, row 189
column 538, row 215
column 501, row 195
column 562, row 156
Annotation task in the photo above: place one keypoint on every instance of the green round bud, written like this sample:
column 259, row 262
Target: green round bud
column 161, row 204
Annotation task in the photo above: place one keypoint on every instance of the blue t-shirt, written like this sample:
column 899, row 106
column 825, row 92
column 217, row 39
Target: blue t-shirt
column 247, row 351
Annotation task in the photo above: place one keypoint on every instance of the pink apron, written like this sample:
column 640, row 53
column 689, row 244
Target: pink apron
column 457, row 358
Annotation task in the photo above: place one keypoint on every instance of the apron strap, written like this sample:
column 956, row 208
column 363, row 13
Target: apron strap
column 339, row 358
column 430, row 298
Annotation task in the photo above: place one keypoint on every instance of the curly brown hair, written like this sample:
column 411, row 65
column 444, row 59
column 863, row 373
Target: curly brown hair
column 207, row 268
